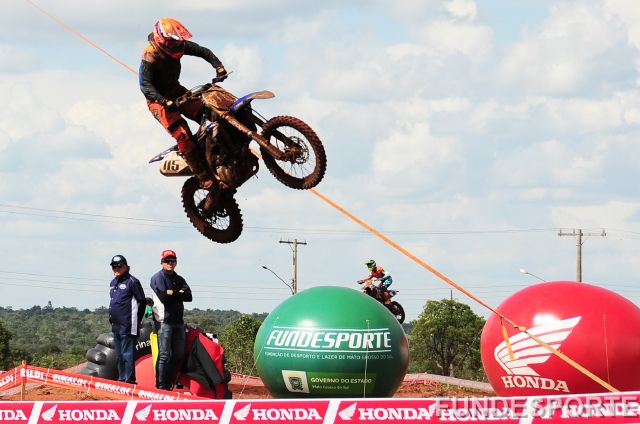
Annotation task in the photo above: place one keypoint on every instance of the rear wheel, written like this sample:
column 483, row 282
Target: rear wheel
column 223, row 224
column 306, row 161
column 397, row 310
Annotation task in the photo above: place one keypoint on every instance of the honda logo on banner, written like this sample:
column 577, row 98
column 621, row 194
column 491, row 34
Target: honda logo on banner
column 290, row 412
column 15, row 413
column 383, row 411
column 94, row 412
column 183, row 412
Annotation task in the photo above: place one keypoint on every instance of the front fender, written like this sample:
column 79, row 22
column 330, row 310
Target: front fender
column 245, row 100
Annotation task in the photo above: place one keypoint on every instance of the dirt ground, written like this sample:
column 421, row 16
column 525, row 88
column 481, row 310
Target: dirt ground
column 406, row 391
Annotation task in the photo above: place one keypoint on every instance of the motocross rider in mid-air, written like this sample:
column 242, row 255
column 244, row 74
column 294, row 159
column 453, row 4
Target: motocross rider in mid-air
column 385, row 280
column 159, row 73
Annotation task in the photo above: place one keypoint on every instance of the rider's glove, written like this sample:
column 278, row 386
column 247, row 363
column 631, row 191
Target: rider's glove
column 170, row 105
column 221, row 73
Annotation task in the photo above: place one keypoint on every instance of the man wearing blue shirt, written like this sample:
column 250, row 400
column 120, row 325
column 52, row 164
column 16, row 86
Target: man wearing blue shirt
column 125, row 313
column 169, row 292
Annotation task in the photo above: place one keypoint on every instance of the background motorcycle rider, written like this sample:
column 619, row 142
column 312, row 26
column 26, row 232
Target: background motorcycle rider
column 158, row 76
column 378, row 272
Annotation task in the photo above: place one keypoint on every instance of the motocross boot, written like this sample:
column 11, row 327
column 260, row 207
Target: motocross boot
column 197, row 166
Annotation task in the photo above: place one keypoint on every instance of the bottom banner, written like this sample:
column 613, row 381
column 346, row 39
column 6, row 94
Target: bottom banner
column 605, row 408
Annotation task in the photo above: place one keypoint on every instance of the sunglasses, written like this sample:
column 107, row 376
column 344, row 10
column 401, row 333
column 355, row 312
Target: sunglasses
column 170, row 261
column 116, row 266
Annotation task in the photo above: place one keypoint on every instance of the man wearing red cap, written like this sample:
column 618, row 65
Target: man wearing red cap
column 169, row 292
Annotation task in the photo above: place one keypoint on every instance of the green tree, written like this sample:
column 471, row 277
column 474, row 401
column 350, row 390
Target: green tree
column 237, row 339
column 5, row 349
column 446, row 340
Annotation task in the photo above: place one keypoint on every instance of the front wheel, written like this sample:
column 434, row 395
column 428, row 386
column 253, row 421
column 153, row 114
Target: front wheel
column 222, row 224
column 306, row 161
column 397, row 310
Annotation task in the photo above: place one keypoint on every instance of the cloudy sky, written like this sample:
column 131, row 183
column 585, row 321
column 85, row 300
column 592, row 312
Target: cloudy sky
column 469, row 132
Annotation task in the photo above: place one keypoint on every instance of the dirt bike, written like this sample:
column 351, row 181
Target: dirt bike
column 290, row 149
column 383, row 296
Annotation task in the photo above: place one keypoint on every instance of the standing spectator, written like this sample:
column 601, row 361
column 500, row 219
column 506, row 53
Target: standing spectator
column 169, row 292
column 125, row 314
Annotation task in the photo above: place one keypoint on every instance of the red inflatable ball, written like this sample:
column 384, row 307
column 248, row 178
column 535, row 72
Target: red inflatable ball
column 595, row 327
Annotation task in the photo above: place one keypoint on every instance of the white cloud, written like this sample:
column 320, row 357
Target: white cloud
column 17, row 120
column 462, row 9
column 585, row 115
column 611, row 214
column 448, row 38
column 411, row 156
column 573, row 50
column 551, row 164
column 629, row 13
column 14, row 60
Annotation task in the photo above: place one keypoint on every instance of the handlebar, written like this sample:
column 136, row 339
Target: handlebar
column 199, row 89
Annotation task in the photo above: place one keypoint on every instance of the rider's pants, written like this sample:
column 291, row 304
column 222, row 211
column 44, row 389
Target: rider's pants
column 175, row 124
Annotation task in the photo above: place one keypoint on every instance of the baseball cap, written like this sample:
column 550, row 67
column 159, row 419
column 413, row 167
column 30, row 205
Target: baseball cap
column 167, row 254
column 118, row 260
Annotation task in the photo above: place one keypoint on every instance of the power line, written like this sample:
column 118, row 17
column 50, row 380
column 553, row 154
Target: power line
column 75, row 215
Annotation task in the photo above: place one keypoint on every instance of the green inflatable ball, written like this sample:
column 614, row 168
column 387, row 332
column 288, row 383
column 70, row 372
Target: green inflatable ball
column 331, row 342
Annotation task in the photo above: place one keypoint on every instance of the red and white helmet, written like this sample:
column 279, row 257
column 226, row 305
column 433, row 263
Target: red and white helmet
column 169, row 34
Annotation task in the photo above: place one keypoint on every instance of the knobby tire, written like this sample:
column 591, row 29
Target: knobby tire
column 300, row 175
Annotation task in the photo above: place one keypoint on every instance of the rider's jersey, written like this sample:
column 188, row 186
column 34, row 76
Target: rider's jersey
column 379, row 273
column 159, row 72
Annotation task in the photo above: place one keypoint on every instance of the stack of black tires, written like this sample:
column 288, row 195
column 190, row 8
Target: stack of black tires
column 101, row 359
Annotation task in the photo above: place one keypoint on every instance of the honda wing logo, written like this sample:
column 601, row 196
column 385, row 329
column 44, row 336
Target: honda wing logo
column 241, row 414
column 527, row 351
column 142, row 414
column 49, row 413
column 347, row 413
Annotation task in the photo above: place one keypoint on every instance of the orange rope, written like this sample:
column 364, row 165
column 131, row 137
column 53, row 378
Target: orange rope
column 379, row 235
column 81, row 36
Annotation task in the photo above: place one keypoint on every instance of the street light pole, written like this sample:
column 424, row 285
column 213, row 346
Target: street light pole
column 278, row 277
column 524, row 271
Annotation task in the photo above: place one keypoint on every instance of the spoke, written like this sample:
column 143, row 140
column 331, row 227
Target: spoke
column 219, row 220
column 302, row 165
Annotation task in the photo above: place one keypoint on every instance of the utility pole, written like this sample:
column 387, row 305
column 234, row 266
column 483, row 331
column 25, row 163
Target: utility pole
column 579, row 234
column 294, row 280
